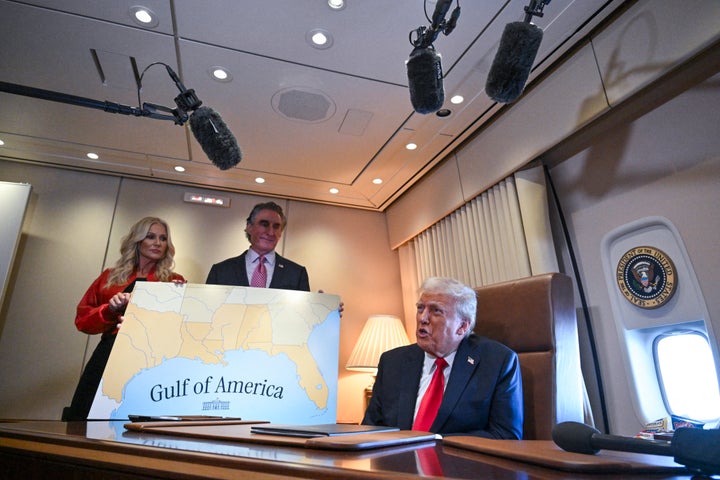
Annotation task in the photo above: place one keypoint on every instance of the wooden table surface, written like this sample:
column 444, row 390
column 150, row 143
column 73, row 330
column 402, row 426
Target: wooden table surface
column 105, row 449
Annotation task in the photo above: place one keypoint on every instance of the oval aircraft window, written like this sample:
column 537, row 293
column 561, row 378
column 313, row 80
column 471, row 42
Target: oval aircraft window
column 687, row 375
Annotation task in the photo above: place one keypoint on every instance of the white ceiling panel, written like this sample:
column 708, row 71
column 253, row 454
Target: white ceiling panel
column 306, row 119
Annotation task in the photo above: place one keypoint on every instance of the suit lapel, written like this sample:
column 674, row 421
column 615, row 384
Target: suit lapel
column 241, row 271
column 279, row 271
column 466, row 362
column 408, row 383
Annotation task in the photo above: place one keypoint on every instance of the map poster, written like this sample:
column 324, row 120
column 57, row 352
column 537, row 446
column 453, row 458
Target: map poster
column 253, row 353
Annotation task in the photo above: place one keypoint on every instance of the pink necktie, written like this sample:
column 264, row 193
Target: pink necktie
column 432, row 398
column 259, row 277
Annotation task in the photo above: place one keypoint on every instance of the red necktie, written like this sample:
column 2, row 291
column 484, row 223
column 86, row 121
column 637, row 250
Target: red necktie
column 432, row 398
column 429, row 462
column 259, row 277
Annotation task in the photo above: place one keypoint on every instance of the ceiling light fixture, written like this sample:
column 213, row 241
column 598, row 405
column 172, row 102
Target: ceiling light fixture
column 2, row 143
column 93, row 156
column 143, row 16
column 457, row 99
column 336, row 4
column 411, row 146
column 334, row 191
column 319, row 38
column 259, row 180
column 220, row 74
column 377, row 181
column 179, row 168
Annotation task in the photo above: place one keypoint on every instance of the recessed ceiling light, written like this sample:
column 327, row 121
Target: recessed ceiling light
column 336, row 4
column 443, row 112
column 179, row 168
column 319, row 38
column 143, row 16
column 411, row 146
column 221, row 74
column 2, row 143
column 93, row 156
column 377, row 181
column 456, row 99
column 259, row 180
column 334, row 190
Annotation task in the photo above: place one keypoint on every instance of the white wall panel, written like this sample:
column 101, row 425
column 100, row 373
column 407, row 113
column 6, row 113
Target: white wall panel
column 558, row 106
column 427, row 202
column 62, row 249
column 666, row 163
column 650, row 39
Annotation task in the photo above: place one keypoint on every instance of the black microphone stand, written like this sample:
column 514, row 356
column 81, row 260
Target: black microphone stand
column 148, row 109
column 535, row 9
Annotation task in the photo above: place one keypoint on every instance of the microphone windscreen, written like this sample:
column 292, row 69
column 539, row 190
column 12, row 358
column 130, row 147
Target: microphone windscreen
column 511, row 66
column 574, row 437
column 698, row 448
column 215, row 138
column 424, row 72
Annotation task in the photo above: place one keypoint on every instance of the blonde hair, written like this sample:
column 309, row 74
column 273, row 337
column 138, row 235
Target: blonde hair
column 130, row 256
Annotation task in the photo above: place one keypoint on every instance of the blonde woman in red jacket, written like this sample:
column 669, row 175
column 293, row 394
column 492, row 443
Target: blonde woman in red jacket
column 146, row 254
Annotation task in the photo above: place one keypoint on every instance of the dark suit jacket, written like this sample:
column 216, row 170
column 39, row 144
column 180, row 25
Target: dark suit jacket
column 483, row 395
column 288, row 275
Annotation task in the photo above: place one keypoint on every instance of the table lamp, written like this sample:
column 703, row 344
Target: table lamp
column 380, row 334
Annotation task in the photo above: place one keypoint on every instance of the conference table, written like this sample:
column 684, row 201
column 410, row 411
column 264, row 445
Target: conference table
column 108, row 450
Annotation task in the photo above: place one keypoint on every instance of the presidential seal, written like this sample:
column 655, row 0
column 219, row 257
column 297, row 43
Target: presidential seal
column 646, row 277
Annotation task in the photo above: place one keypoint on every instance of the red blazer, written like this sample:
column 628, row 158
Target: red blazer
column 93, row 312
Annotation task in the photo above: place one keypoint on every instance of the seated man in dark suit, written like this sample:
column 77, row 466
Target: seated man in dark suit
column 263, row 229
column 483, row 396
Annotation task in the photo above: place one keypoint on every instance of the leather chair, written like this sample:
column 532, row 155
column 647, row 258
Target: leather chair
column 535, row 316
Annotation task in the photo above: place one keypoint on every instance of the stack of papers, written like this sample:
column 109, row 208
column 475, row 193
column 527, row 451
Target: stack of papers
column 324, row 430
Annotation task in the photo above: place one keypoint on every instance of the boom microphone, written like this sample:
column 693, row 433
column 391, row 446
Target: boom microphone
column 425, row 79
column 510, row 69
column 215, row 138
column 424, row 68
column 695, row 448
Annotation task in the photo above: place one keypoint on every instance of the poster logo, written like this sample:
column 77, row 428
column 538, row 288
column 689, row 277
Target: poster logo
column 646, row 277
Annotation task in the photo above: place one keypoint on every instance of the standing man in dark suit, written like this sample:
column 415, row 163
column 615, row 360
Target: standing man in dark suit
column 264, row 228
column 483, row 396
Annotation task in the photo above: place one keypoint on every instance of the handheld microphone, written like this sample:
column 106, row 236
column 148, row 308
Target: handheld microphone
column 213, row 135
column 693, row 447
column 511, row 66
column 425, row 79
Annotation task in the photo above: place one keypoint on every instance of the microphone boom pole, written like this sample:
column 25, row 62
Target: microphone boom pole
column 148, row 110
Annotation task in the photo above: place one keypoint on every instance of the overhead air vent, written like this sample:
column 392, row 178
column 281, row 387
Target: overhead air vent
column 116, row 70
column 303, row 104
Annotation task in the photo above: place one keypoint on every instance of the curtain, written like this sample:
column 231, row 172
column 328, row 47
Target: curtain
column 480, row 243
column 502, row 234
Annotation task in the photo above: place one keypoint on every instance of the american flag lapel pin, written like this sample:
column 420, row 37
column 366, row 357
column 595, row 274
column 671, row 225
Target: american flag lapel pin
column 471, row 360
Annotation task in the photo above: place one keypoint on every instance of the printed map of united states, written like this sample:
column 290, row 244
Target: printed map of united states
column 238, row 347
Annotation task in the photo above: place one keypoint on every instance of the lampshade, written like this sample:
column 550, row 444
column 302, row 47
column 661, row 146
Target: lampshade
column 380, row 334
